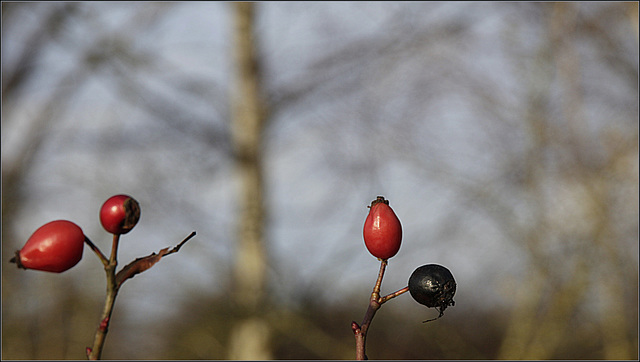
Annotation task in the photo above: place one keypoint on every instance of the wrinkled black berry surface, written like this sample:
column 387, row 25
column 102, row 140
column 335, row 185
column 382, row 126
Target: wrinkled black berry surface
column 434, row 286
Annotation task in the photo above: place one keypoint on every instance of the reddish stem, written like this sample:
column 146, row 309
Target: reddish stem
column 381, row 300
column 375, row 302
column 360, row 332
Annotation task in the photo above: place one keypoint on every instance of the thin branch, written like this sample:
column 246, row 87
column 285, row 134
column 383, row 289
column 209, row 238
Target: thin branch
column 360, row 331
column 381, row 300
column 96, row 250
column 177, row 247
column 95, row 353
column 114, row 250
column 141, row 264
column 114, row 281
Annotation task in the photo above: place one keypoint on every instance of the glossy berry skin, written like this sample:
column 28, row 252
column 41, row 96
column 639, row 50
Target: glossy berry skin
column 382, row 230
column 54, row 247
column 119, row 214
column 434, row 286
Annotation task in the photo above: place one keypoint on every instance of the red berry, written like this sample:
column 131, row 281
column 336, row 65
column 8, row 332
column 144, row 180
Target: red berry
column 55, row 247
column 119, row 214
column 382, row 230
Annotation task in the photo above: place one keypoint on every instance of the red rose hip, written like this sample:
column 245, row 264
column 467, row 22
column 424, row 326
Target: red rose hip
column 54, row 247
column 382, row 230
column 119, row 214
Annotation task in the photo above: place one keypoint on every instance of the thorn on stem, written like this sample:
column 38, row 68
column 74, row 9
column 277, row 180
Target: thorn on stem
column 104, row 324
column 355, row 327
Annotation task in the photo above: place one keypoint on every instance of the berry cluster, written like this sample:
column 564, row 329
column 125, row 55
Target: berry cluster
column 431, row 285
column 57, row 246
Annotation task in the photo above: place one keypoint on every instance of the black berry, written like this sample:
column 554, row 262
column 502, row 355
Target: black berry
column 434, row 286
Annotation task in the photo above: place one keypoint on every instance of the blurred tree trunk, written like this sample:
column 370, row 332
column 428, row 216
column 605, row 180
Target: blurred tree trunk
column 250, row 336
column 31, row 338
column 542, row 319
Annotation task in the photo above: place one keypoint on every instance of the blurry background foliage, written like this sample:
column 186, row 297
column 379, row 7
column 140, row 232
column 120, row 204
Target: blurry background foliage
column 505, row 136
